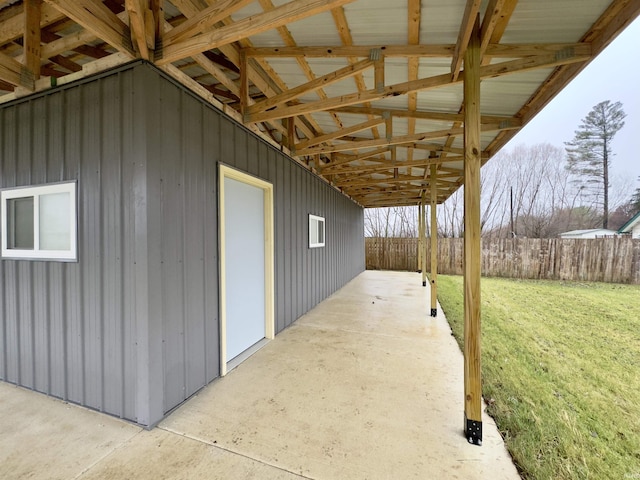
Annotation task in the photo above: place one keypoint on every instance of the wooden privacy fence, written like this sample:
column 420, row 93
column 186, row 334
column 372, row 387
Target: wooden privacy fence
column 615, row 260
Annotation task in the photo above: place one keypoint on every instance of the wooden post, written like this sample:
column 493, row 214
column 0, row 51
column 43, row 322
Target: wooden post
column 472, row 159
column 424, row 241
column 32, row 14
column 434, row 240
column 420, row 237
column 244, row 84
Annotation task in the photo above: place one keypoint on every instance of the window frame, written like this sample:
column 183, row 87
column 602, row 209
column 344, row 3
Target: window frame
column 317, row 243
column 36, row 191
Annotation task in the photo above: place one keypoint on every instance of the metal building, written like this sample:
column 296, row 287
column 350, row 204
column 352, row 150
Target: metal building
column 132, row 327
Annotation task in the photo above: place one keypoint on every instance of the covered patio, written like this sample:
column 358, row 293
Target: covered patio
column 365, row 385
column 389, row 103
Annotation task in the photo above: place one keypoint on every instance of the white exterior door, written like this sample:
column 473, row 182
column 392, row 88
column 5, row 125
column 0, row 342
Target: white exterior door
column 246, row 264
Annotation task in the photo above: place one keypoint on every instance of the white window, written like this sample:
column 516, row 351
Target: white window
column 316, row 231
column 39, row 223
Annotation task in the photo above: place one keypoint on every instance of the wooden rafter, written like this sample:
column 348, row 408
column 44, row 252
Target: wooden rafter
column 468, row 19
column 487, row 71
column 340, row 133
column 98, row 19
column 311, row 86
column 204, row 20
column 13, row 72
column 340, row 20
column 289, row 12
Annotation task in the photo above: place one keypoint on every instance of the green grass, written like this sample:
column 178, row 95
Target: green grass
column 561, row 373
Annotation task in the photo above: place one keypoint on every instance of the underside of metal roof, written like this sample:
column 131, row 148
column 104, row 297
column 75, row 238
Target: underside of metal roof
column 366, row 93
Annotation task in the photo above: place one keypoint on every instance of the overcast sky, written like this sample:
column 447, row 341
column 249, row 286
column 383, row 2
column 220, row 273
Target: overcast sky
column 614, row 75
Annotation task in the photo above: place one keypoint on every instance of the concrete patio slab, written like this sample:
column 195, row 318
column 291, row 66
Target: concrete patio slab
column 366, row 385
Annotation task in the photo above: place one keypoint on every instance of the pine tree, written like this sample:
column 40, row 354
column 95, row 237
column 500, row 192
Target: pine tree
column 589, row 154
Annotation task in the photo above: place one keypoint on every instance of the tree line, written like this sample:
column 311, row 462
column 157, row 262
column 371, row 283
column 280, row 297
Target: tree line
column 538, row 191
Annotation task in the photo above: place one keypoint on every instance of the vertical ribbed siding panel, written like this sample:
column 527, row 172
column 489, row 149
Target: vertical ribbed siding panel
column 40, row 325
column 194, row 208
column 126, row 239
column 56, row 315
column 73, row 115
column 280, row 214
column 63, row 324
column 111, row 246
column 90, row 195
column 211, row 156
column 171, row 205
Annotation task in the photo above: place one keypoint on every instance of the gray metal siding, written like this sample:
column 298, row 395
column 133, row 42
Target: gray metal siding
column 131, row 329
column 194, row 138
column 67, row 327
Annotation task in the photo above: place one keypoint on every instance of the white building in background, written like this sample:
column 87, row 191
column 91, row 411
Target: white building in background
column 591, row 233
column 632, row 227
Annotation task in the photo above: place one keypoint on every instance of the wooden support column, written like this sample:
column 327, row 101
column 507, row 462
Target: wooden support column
column 420, row 218
column 424, row 240
column 32, row 13
column 433, row 179
column 472, row 163
column 244, row 84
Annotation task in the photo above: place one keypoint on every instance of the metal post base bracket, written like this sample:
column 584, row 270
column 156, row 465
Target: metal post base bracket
column 473, row 431
column 434, row 312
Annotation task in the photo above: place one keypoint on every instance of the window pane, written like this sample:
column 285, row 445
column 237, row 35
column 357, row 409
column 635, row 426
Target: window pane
column 320, row 231
column 20, row 223
column 313, row 231
column 55, row 227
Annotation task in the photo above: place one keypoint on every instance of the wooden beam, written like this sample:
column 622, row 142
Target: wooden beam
column 468, row 19
column 487, row 71
column 340, row 20
column 310, row 86
column 472, row 231
column 287, row 37
column 13, row 25
column 98, row 19
column 405, row 139
column 387, row 165
column 340, row 133
column 493, row 49
column 289, row 12
column 433, row 178
column 420, row 181
column 492, row 15
column 67, row 43
column 426, row 115
column 358, row 145
column 204, row 20
column 32, row 41
column 352, row 158
column 137, row 23
column 13, row 72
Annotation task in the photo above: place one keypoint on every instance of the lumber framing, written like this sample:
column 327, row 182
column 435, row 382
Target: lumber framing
column 433, row 204
column 246, row 27
column 487, row 71
column 472, row 231
column 32, row 14
column 98, row 19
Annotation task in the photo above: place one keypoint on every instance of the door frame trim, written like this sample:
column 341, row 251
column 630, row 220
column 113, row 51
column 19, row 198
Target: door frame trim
column 269, row 313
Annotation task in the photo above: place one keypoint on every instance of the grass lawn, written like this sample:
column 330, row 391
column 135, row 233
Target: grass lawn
column 561, row 373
